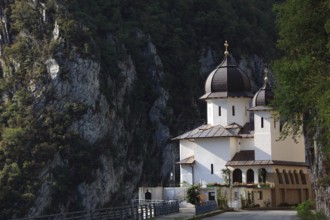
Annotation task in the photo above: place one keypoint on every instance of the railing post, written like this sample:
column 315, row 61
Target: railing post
column 155, row 209
column 141, row 211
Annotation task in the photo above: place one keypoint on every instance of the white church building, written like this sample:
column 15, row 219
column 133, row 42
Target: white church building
column 236, row 150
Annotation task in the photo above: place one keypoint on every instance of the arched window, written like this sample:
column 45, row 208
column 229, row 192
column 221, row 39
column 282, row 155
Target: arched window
column 237, row 176
column 250, row 176
column 291, row 177
column 296, row 177
column 262, row 122
column 219, row 110
column 302, row 177
column 262, row 173
column 233, row 110
column 286, row 177
column 279, row 176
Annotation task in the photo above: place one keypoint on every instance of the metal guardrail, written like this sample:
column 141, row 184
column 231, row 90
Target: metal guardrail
column 206, row 207
column 147, row 209
column 125, row 212
column 138, row 210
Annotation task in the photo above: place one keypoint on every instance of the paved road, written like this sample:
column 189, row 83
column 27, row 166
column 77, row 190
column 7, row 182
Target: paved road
column 256, row 215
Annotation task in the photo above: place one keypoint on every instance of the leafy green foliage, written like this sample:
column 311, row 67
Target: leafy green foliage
column 193, row 194
column 305, row 212
column 302, row 92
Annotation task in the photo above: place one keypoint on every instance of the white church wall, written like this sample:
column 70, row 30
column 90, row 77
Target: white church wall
column 268, row 145
column 262, row 137
column 186, row 148
column 225, row 116
column 215, row 151
column 186, row 175
column 246, row 144
column 234, row 148
column 213, row 115
column 241, row 115
column 210, row 112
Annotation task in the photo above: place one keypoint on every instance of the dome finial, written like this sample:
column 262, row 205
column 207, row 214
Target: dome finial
column 266, row 74
column 226, row 48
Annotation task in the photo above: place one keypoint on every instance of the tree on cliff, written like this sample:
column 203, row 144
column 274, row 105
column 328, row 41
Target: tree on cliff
column 303, row 82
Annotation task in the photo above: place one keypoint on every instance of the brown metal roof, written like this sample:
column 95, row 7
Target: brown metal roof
column 227, row 80
column 188, row 160
column 265, row 162
column 247, row 158
column 208, row 131
column 262, row 98
column 260, row 108
column 244, row 155
column 247, row 130
column 233, row 126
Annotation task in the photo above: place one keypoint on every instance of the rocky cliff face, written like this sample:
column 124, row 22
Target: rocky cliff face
column 74, row 81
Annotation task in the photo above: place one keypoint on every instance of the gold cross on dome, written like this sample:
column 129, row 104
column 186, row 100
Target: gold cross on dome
column 226, row 48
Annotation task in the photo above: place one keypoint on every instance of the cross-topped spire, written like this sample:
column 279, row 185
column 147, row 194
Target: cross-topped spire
column 226, row 48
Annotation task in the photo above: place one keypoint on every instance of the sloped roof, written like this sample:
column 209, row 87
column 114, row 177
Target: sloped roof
column 208, row 131
column 260, row 108
column 188, row 160
column 247, row 158
column 247, row 130
column 261, row 100
column 265, row 162
column 227, row 80
column 244, row 155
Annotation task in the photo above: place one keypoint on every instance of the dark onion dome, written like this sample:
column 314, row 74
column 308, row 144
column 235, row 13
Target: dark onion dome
column 263, row 97
column 227, row 80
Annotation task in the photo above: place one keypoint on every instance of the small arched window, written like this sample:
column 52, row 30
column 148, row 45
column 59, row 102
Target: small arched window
column 233, row 110
column 296, row 176
column 286, row 177
column 279, row 176
column 250, row 176
column 262, row 175
column 219, row 110
column 291, row 177
column 302, row 177
column 237, row 176
column 262, row 122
